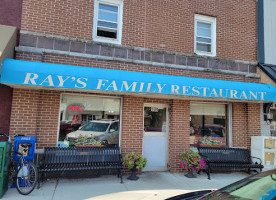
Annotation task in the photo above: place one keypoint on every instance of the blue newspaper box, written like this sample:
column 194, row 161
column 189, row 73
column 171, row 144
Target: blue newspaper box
column 28, row 152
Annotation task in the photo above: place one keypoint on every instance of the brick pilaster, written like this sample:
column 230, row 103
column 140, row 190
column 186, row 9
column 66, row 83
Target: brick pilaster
column 132, row 125
column 179, row 138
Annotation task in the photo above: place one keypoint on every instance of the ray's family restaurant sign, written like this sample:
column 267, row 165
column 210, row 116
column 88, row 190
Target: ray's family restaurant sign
column 65, row 76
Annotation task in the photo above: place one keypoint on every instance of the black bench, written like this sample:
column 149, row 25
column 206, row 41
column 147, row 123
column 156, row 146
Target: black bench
column 228, row 158
column 57, row 159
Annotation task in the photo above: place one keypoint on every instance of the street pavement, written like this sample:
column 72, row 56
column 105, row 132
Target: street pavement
column 150, row 186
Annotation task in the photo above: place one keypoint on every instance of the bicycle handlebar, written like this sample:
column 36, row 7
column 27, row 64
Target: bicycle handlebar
column 20, row 154
column 3, row 134
column 8, row 136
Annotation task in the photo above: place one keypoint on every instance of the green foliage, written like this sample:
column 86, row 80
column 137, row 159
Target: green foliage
column 72, row 144
column 84, row 140
column 209, row 141
column 134, row 159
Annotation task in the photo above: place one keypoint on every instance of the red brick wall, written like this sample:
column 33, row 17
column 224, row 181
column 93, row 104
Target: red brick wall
column 47, row 118
column 239, row 122
column 132, row 125
column 5, row 111
column 179, row 132
column 246, row 123
column 24, row 112
column 65, row 18
column 35, row 113
column 10, row 14
column 236, row 26
column 87, row 62
column 254, row 122
column 166, row 25
column 169, row 25
column 28, row 56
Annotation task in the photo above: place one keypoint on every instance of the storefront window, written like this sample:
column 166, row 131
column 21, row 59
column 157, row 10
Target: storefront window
column 273, row 121
column 208, row 124
column 93, row 119
column 154, row 119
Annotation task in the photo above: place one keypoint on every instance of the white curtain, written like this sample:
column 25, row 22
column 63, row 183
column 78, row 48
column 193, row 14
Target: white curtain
column 207, row 109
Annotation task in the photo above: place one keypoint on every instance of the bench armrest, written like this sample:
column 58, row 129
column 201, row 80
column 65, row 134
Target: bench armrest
column 205, row 157
column 121, row 158
column 41, row 162
column 257, row 158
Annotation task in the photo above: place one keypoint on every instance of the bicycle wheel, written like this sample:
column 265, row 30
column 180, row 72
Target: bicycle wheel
column 26, row 178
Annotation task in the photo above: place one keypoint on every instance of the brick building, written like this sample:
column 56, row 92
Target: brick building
column 162, row 78
column 10, row 22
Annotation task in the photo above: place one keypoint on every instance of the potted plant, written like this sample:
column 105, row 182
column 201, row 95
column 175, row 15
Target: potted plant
column 134, row 161
column 209, row 142
column 190, row 161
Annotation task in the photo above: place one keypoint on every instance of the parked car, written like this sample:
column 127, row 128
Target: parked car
column 255, row 187
column 67, row 126
column 214, row 130
column 105, row 131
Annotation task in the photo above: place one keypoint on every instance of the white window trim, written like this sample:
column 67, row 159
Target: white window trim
column 118, row 3
column 229, row 118
column 91, row 95
column 230, row 124
column 212, row 21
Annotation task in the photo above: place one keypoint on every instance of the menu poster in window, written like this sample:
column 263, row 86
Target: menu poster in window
column 269, row 143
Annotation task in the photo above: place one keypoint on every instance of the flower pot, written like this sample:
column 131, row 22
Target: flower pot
column 190, row 174
column 213, row 146
column 133, row 175
column 84, row 146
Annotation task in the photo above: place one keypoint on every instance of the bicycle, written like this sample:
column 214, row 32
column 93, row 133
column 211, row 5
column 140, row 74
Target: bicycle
column 23, row 173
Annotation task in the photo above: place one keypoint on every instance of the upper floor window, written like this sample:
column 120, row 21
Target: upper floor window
column 205, row 35
column 108, row 21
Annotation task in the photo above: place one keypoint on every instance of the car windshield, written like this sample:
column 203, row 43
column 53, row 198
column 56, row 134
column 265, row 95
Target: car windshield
column 261, row 186
column 95, row 126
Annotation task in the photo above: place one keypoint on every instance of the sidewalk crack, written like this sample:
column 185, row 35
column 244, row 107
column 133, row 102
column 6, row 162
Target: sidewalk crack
column 55, row 189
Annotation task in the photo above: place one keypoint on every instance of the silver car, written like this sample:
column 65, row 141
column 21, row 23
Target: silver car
column 105, row 131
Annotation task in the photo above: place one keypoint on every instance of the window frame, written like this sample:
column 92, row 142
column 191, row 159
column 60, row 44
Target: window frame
column 228, row 120
column 212, row 22
column 66, row 94
column 117, row 3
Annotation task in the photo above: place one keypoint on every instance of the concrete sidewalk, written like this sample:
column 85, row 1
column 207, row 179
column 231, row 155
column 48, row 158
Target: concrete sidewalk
column 151, row 185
